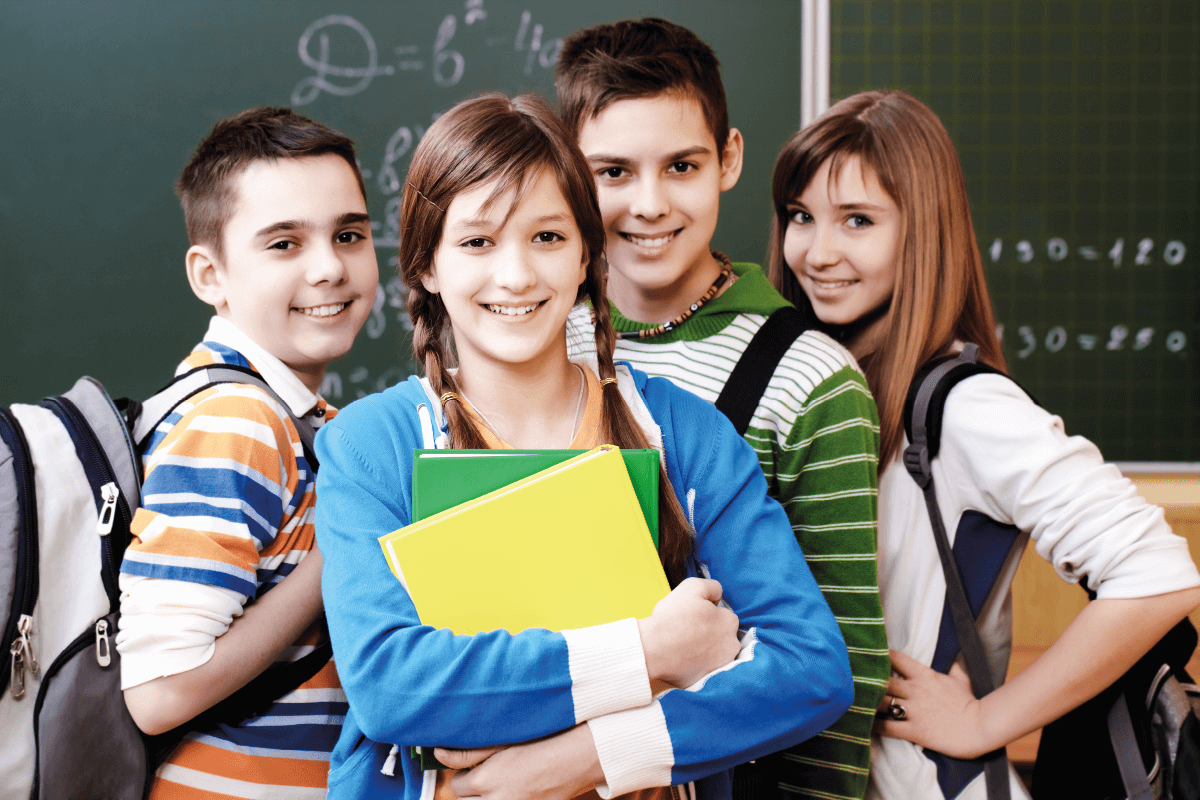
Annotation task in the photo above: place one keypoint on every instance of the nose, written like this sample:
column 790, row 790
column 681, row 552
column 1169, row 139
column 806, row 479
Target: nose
column 650, row 200
column 515, row 272
column 822, row 249
column 325, row 266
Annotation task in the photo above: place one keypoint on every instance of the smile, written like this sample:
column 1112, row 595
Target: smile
column 322, row 311
column 512, row 311
column 831, row 284
column 651, row 243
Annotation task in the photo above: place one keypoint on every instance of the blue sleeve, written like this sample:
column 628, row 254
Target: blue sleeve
column 792, row 678
column 408, row 683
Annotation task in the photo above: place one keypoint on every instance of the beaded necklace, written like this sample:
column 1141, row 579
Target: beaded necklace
column 709, row 294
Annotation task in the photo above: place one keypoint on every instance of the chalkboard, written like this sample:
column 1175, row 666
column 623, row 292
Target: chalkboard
column 104, row 102
column 1078, row 126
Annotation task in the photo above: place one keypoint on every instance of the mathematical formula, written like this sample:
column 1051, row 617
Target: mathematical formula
column 1141, row 252
column 1118, row 337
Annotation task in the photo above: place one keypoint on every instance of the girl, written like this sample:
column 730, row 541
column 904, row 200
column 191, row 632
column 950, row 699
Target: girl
column 502, row 236
column 872, row 235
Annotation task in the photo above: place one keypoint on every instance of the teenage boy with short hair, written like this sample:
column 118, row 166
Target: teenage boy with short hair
column 645, row 101
column 281, row 248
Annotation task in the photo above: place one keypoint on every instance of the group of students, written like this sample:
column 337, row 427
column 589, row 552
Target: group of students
column 563, row 294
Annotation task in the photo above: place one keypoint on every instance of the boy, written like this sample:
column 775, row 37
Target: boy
column 281, row 248
column 645, row 101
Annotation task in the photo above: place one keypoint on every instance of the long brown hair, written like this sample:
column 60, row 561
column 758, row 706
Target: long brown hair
column 487, row 139
column 939, row 293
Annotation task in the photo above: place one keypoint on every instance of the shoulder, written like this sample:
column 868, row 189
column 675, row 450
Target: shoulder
column 384, row 420
column 813, row 359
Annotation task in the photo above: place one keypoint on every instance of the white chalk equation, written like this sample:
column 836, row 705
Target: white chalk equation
column 345, row 58
column 1118, row 337
column 1140, row 252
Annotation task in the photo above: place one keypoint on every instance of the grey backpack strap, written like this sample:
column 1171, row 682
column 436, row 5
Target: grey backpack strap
column 916, row 461
column 1129, row 755
column 162, row 404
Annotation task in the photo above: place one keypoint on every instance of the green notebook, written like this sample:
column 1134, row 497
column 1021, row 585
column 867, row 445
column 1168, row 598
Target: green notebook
column 444, row 478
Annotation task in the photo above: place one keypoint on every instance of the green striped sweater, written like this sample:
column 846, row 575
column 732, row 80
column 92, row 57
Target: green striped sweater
column 816, row 432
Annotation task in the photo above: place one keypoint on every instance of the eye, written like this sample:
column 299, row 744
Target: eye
column 477, row 243
column 800, row 217
column 283, row 244
column 612, row 173
column 859, row 221
column 681, row 167
column 349, row 237
column 548, row 237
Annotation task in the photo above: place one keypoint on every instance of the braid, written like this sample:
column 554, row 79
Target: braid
column 428, row 316
column 618, row 426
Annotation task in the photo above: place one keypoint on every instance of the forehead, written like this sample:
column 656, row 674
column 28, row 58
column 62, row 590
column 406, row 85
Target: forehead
column 846, row 178
column 534, row 196
column 313, row 189
column 661, row 123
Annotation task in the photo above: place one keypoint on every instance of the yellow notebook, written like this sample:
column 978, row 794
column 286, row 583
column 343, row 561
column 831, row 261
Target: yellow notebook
column 564, row 548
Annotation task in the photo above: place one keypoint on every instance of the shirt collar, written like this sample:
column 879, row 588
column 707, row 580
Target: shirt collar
column 278, row 375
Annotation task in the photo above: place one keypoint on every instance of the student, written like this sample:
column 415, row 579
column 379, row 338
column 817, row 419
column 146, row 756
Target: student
column 223, row 577
column 502, row 238
column 873, row 235
column 644, row 99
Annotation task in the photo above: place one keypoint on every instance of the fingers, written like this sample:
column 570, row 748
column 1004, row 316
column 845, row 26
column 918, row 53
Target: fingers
column 904, row 664
column 706, row 588
column 464, row 759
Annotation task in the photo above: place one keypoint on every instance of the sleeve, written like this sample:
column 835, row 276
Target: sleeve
column 218, row 488
column 826, row 472
column 792, row 677
column 412, row 684
column 1084, row 517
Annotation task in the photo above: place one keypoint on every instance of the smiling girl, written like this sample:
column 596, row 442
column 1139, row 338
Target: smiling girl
column 502, row 236
column 873, row 236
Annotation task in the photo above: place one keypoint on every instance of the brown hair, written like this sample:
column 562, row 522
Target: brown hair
column 492, row 138
column 206, row 189
column 638, row 58
column 939, row 293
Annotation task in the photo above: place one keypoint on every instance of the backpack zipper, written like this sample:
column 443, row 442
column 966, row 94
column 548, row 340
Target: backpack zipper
column 19, row 629
column 100, row 476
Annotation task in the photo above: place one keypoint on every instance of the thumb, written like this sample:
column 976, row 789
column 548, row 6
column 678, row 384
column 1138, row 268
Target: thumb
column 464, row 759
column 959, row 674
column 706, row 588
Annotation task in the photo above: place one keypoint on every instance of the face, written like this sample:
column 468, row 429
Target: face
column 842, row 242
column 509, row 286
column 660, row 178
column 298, row 272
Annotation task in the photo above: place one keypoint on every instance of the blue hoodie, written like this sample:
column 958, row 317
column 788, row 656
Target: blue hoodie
column 411, row 684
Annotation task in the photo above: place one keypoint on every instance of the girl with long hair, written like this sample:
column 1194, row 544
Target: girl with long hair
column 872, row 238
column 502, row 236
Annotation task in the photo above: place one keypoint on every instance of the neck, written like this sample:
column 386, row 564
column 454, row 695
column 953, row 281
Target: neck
column 863, row 336
column 655, row 304
column 527, row 406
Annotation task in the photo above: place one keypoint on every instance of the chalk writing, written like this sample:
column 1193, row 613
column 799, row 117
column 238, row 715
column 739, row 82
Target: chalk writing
column 311, row 87
column 1118, row 337
column 1057, row 249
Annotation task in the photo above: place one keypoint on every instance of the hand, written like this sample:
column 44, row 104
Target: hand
column 940, row 712
column 554, row 768
column 689, row 635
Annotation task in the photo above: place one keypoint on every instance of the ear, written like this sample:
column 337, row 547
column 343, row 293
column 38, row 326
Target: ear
column 205, row 275
column 583, row 269
column 731, row 160
column 429, row 281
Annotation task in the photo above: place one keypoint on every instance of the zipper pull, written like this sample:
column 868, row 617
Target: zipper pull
column 103, row 653
column 22, row 657
column 108, row 510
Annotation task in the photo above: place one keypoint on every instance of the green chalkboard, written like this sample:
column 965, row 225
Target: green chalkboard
column 104, row 102
column 1078, row 126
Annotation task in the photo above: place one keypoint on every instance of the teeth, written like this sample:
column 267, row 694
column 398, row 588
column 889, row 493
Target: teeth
column 322, row 311
column 512, row 311
column 831, row 284
column 642, row 241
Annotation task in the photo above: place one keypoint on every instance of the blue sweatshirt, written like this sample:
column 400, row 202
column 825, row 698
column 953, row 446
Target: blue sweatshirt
column 411, row 684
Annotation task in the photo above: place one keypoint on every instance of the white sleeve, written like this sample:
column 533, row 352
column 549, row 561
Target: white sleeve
column 1018, row 465
column 170, row 626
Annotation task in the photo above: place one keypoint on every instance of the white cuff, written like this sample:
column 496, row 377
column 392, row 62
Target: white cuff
column 635, row 750
column 608, row 669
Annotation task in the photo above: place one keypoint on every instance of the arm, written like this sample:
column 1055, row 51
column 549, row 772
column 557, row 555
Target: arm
column 253, row 642
column 414, row 684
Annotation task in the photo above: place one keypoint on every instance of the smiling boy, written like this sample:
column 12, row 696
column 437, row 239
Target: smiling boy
column 644, row 99
column 281, row 249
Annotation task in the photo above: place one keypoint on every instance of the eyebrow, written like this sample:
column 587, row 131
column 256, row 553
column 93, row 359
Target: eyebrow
column 487, row 223
column 678, row 155
column 349, row 218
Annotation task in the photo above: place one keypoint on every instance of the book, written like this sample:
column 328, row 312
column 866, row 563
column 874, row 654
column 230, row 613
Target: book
column 567, row 547
column 445, row 478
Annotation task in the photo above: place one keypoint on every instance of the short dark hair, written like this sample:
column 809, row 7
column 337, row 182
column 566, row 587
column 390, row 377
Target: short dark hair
column 638, row 58
column 205, row 188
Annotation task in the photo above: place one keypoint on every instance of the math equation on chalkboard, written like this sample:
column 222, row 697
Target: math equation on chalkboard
column 1138, row 252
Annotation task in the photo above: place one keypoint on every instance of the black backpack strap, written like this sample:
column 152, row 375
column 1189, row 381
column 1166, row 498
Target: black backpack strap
column 919, row 419
column 744, row 389
column 150, row 414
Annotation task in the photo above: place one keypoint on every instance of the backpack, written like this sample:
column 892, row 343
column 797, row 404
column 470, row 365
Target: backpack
column 1139, row 738
column 70, row 480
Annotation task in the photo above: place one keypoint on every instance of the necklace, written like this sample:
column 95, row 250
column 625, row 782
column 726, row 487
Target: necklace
column 574, row 425
column 709, row 294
